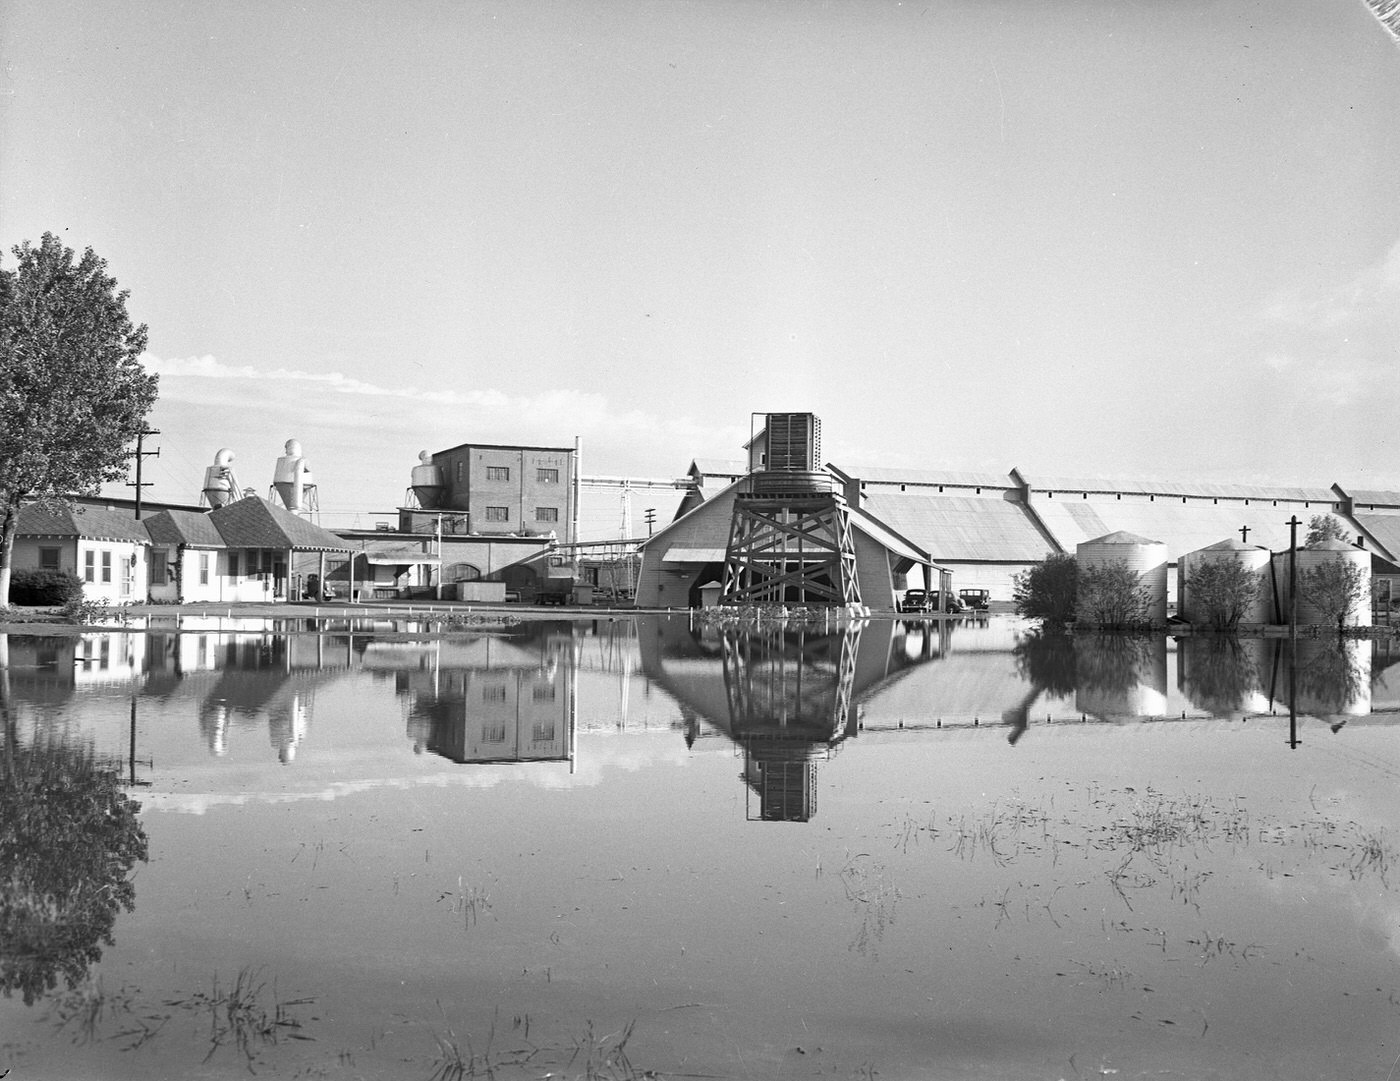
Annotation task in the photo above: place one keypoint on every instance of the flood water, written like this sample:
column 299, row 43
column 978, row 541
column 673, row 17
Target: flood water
column 637, row 848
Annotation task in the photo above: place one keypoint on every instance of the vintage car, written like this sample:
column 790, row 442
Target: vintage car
column 975, row 600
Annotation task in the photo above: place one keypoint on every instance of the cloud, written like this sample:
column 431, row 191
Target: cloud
column 1368, row 295
column 362, row 436
column 563, row 409
column 1331, row 347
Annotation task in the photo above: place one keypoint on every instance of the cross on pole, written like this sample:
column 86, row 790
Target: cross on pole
column 1244, row 534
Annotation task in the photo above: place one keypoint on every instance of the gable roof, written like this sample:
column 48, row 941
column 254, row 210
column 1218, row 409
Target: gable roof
column 960, row 527
column 184, row 527
column 255, row 522
column 95, row 523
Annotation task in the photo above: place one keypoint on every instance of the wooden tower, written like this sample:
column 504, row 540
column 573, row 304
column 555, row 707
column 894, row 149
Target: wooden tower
column 790, row 537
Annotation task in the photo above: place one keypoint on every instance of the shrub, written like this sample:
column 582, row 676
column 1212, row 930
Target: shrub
column 44, row 587
column 1046, row 591
column 1223, row 591
column 1334, row 588
column 1112, row 595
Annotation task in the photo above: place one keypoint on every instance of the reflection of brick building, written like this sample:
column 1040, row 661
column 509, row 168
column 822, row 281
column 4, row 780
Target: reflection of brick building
column 496, row 700
column 497, row 716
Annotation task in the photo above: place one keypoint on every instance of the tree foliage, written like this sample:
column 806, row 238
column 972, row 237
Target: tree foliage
column 73, row 393
column 1324, row 527
column 1113, row 595
column 1335, row 588
column 1223, row 590
column 1046, row 590
column 69, row 838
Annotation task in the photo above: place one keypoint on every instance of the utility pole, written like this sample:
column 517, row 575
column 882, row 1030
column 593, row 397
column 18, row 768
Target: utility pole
column 651, row 520
column 140, row 454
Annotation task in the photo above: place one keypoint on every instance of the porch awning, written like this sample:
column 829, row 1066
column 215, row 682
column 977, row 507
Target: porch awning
column 693, row 555
column 400, row 557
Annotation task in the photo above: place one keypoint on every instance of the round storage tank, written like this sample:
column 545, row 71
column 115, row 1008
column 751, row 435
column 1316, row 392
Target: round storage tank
column 427, row 482
column 1148, row 558
column 1313, row 562
column 1250, row 557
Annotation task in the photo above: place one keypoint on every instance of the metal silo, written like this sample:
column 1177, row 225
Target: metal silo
column 220, row 485
column 1249, row 556
column 1311, row 561
column 428, row 485
column 1148, row 558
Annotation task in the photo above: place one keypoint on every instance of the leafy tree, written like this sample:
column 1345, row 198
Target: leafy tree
column 1324, row 527
column 73, row 393
column 1224, row 591
column 1334, row 588
column 69, row 837
column 1112, row 594
column 1046, row 590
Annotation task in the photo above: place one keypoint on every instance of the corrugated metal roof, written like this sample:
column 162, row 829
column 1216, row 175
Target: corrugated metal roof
column 1385, row 528
column 882, row 534
column 1182, row 527
column 930, row 477
column 1373, row 498
column 721, row 467
column 953, row 527
column 97, row 523
column 255, row 522
column 184, row 527
column 1202, row 489
column 694, row 555
column 400, row 556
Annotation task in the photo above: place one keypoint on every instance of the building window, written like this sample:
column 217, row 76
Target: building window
column 546, row 514
column 233, row 567
column 48, row 559
column 89, row 566
column 547, row 476
column 158, row 565
column 498, row 472
column 543, row 692
column 498, row 514
column 204, row 568
column 106, row 566
column 459, row 472
column 493, row 693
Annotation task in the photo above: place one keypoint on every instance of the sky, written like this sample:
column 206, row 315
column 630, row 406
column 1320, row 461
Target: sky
column 1077, row 237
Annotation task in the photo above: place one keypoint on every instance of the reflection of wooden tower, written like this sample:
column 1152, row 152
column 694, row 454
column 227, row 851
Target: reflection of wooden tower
column 790, row 537
column 790, row 703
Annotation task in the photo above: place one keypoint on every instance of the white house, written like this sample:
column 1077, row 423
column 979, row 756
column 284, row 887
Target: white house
column 106, row 548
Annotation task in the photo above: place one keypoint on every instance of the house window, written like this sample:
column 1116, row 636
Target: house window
column 546, row 514
column 498, row 472
column 204, row 568
column 547, row 476
column 89, row 566
column 233, row 567
column 158, row 567
column 106, row 566
column 48, row 559
column 498, row 514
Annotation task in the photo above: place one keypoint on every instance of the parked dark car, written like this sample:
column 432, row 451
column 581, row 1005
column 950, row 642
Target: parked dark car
column 976, row 600
column 918, row 600
column 921, row 600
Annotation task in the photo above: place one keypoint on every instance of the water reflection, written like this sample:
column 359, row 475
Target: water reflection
column 495, row 700
column 786, row 698
column 69, row 838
